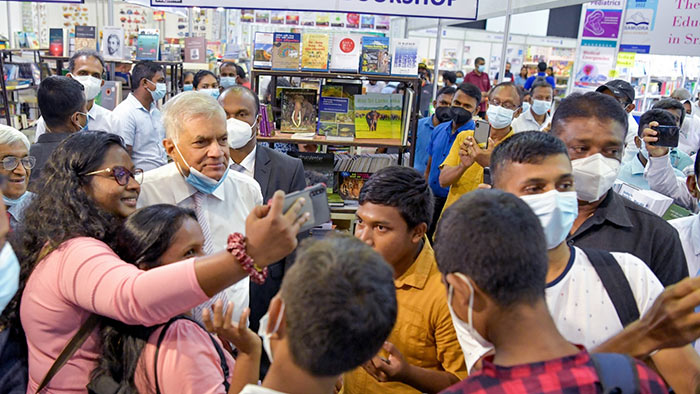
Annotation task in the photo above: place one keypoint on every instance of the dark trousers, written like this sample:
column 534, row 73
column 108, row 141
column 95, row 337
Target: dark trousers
column 439, row 204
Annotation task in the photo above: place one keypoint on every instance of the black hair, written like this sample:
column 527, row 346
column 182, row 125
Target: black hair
column 59, row 98
column 144, row 236
column 63, row 210
column 470, row 90
column 143, row 70
column 227, row 64
column 589, row 105
column 240, row 72
column 242, row 90
column 450, row 77
column 669, row 103
column 507, row 85
column 530, row 147
column 541, row 67
column 451, row 90
column 200, row 75
column 697, row 168
column 523, row 68
column 340, row 319
column 88, row 54
column 551, row 69
column 477, row 60
column 540, row 82
column 494, row 238
column 403, row 188
column 663, row 117
column 187, row 73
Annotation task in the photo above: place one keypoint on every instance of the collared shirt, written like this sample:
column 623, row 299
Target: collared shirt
column 225, row 210
column 441, row 141
column 41, row 150
column 141, row 129
column 472, row 177
column 248, row 163
column 531, row 80
column 99, row 119
column 620, row 225
column 520, row 81
column 423, row 133
column 630, row 148
column 689, row 140
column 483, row 82
column 423, row 333
column 632, row 172
column 659, row 174
column 689, row 232
column 570, row 374
column 527, row 122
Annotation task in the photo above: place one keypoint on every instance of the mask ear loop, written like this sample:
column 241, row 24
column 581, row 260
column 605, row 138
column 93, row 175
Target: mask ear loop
column 182, row 157
column 279, row 320
column 471, row 296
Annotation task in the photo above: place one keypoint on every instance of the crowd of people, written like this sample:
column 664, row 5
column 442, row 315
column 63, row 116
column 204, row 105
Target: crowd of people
column 146, row 249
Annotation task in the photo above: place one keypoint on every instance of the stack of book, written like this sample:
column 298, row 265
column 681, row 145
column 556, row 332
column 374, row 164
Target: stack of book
column 266, row 128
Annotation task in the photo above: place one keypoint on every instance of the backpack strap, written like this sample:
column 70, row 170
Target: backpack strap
column 219, row 351
column 616, row 284
column 617, row 373
column 73, row 345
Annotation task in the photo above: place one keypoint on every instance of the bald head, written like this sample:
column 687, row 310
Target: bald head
column 241, row 103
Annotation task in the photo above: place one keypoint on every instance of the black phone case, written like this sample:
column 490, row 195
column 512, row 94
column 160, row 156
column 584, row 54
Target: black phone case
column 668, row 136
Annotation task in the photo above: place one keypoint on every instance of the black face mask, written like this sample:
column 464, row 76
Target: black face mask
column 443, row 114
column 460, row 115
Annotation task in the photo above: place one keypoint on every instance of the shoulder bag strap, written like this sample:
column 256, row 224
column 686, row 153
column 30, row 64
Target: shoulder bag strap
column 616, row 284
column 617, row 373
column 75, row 343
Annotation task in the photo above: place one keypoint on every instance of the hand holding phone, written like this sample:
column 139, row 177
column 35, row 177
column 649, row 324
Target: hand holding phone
column 668, row 136
column 316, row 205
column 482, row 132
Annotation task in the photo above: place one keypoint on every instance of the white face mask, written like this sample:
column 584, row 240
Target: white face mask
column 92, row 85
column 239, row 132
column 594, row 176
column 262, row 330
column 556, row 211
column 472, row 343
column 499, row 117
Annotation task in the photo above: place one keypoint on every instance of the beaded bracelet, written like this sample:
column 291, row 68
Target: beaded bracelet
column 236, row 246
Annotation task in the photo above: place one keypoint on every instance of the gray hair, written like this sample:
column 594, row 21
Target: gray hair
column 10, row 135
column 681, row 94
column 188, row 105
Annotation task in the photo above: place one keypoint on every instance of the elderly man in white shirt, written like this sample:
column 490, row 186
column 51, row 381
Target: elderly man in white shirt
column 538, row 117
column 87, row 68
column 199, row 178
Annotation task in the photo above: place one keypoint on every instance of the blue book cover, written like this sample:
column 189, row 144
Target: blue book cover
column 375, row 57
column 147, row 47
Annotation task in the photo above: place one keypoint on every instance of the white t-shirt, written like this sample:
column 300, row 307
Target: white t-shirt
column 253, row 389
column 580, row 305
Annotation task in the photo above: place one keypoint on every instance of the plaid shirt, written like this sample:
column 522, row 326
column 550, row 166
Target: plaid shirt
column 571, row 374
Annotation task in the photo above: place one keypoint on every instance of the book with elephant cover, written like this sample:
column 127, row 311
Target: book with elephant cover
column 299, row 110
column 373, row 116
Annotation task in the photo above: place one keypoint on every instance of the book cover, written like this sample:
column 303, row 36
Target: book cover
column 352, row 20
column 277, row 17
column 21, row 39
column 56, row 43
column 314, row 52
column 337, row 20
column 323, row 19
column 262, row 16
column 299, row 110
column 318, row 168
column 373, row 116
column 396, row 110
column 404, row 57
column 345, row 52
column 367, row 21
column 292, row 18
column 336, row 111
column 32, row 40
column 350, row 184
column 285, row 51
column 147, row 45
column 195, row 50
column 375, row 56
column 247, row 16
column 85, row 38
column 307, row 19
column 262, row 52
column 112, row 47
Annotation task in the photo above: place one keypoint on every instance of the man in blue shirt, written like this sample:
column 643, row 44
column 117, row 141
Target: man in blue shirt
column 541, row 68
column 427, row 125
column 441, row 141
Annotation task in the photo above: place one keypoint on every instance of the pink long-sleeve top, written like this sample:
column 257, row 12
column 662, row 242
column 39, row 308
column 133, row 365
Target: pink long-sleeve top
column 85, row 276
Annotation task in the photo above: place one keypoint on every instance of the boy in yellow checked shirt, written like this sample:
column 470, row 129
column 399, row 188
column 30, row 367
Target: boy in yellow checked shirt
column 463, row 169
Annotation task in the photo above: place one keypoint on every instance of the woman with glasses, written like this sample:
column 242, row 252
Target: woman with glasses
column 16, row 168
column 70, row 275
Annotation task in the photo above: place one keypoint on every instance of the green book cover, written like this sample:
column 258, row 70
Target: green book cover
column 373, row 116
column 676, row 212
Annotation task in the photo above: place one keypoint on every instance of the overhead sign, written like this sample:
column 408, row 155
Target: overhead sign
column 453, row 9
column 670, row 28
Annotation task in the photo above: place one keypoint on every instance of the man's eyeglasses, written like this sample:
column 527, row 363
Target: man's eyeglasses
column 9, row 163
column 121, row 174
column 509, row 106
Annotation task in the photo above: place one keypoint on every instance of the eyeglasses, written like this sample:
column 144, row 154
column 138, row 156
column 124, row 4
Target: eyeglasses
column 9, row 163
column 509, row 106
column 121, row 174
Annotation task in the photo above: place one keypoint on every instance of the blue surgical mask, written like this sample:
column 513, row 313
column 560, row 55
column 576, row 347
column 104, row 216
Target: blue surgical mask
column 540, row 107
column 187, row 87
column 526, row 107
column 9, row 275
column 214, row 92
column 499, row 117
column 160, row 91
column 556, row 211
column 200, row 181
column 11, row 203
column 227, row 82
column 482, row 68
column 643, row 150
column 87, row 120
column 460, row 81
column 262, row 331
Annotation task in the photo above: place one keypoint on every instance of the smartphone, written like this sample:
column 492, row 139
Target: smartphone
column 487, row 176
column 482, row 132
column 316, row 205
column 668, row 136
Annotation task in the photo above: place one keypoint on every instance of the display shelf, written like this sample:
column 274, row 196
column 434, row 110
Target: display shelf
column 321, row 140
column 331, row 75
column 18, row 87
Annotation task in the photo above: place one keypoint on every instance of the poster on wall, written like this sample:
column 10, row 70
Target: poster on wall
column 668, row 30
column 601, row 23
column 594, row 66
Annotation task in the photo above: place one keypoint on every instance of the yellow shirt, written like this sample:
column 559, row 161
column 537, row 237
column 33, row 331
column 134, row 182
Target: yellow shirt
column 472, row 177
column 423, row 332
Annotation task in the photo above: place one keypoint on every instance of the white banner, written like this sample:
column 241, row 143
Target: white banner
column 453, row 9
column 663, row 27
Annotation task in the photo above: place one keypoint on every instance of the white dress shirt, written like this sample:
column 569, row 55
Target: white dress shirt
column 630, row 147
column 689, row 232
column 662, row 179
column 142, row 130
column 689, row 140
column 527, row 122
column 99, row 119
column 226, row 210
column 249, row 163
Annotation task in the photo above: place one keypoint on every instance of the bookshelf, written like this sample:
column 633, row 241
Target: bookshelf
column 411, row 82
